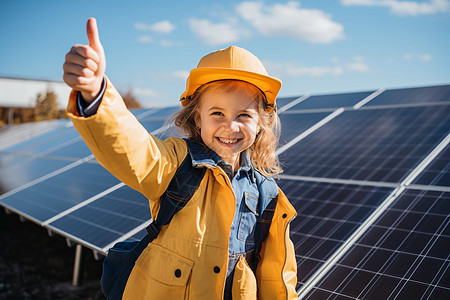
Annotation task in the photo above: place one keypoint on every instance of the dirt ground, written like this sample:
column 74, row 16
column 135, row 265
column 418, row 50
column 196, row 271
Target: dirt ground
column 34, row 265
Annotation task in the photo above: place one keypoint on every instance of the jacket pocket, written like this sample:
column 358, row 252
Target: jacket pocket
column 159, row 273
column 248, row 218
column 244, row 282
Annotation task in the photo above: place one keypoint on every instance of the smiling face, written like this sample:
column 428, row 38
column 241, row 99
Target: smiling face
column 228, row 123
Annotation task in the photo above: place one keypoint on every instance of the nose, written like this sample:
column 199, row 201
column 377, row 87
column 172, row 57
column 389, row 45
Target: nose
column 233, row 125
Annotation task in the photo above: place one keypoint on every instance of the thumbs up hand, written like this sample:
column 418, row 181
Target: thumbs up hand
column 85, row 65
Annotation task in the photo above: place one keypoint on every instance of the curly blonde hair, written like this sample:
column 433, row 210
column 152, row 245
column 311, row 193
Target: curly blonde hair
column 262, row 151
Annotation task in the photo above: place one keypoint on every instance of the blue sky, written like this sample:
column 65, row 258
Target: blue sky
column 314, row 47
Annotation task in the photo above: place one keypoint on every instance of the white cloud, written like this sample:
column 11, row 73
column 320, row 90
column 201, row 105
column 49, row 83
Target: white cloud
column 408, row 8
column 357, row 65
column 166, row 43
column 145, row 39
column 407, row 56
column 215, row 34
column 311, row 25
column 426, row 57
column 180, row 74
column 334, row 60
column 313, row 71
column 159, row 27
column 291, row 69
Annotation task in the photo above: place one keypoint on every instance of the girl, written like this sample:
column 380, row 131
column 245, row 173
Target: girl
column 229, row 117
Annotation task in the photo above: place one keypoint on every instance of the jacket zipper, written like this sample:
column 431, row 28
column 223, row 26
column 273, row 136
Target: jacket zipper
column 285, row 257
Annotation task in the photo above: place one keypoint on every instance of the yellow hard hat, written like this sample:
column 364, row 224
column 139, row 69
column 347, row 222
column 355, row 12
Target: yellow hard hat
column 232, row 63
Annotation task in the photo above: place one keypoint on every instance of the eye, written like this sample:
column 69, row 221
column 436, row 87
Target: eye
column 245, row 115
column 217, row 113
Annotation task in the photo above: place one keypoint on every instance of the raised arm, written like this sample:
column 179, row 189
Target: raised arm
column 114, row 135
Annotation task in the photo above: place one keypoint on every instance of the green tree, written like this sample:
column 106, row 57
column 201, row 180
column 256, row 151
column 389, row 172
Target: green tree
column 46, row 106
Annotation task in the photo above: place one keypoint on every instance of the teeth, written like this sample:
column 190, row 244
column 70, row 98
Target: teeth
column 227, row 141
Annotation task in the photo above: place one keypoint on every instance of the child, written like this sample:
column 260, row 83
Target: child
column 230, row 119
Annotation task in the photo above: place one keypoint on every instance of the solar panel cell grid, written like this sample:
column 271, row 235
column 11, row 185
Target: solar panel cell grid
column 404, row 255
column 152, row 125
column 115, row 214
column 75, row 149
column 328, row 214
column 438, row 172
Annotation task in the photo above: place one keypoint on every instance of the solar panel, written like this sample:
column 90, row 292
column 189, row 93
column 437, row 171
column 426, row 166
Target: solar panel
column 25, row 170
column 115, row 214
column 45, row 141
column 370, row 145
column 430, row 94
column 52, row 195
column 404, row 255
column 331, row 101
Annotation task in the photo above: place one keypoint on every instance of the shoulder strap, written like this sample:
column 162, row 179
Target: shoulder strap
column 180, row 190
column 268, row 199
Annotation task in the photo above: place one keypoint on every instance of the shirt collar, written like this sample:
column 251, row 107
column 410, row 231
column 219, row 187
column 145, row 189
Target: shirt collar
column 203, row 156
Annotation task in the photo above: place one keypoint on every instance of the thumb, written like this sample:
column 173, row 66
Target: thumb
column 92, row 33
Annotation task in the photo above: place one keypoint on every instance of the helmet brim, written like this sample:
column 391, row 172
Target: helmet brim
column 270, row 86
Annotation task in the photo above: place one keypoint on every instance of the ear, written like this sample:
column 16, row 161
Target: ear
column 197, row 121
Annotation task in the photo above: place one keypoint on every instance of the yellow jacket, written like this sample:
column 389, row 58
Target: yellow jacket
column 196, row 240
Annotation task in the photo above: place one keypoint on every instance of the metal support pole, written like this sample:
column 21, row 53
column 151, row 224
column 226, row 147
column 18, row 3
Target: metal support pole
column 76, row 266
column 10, row 116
